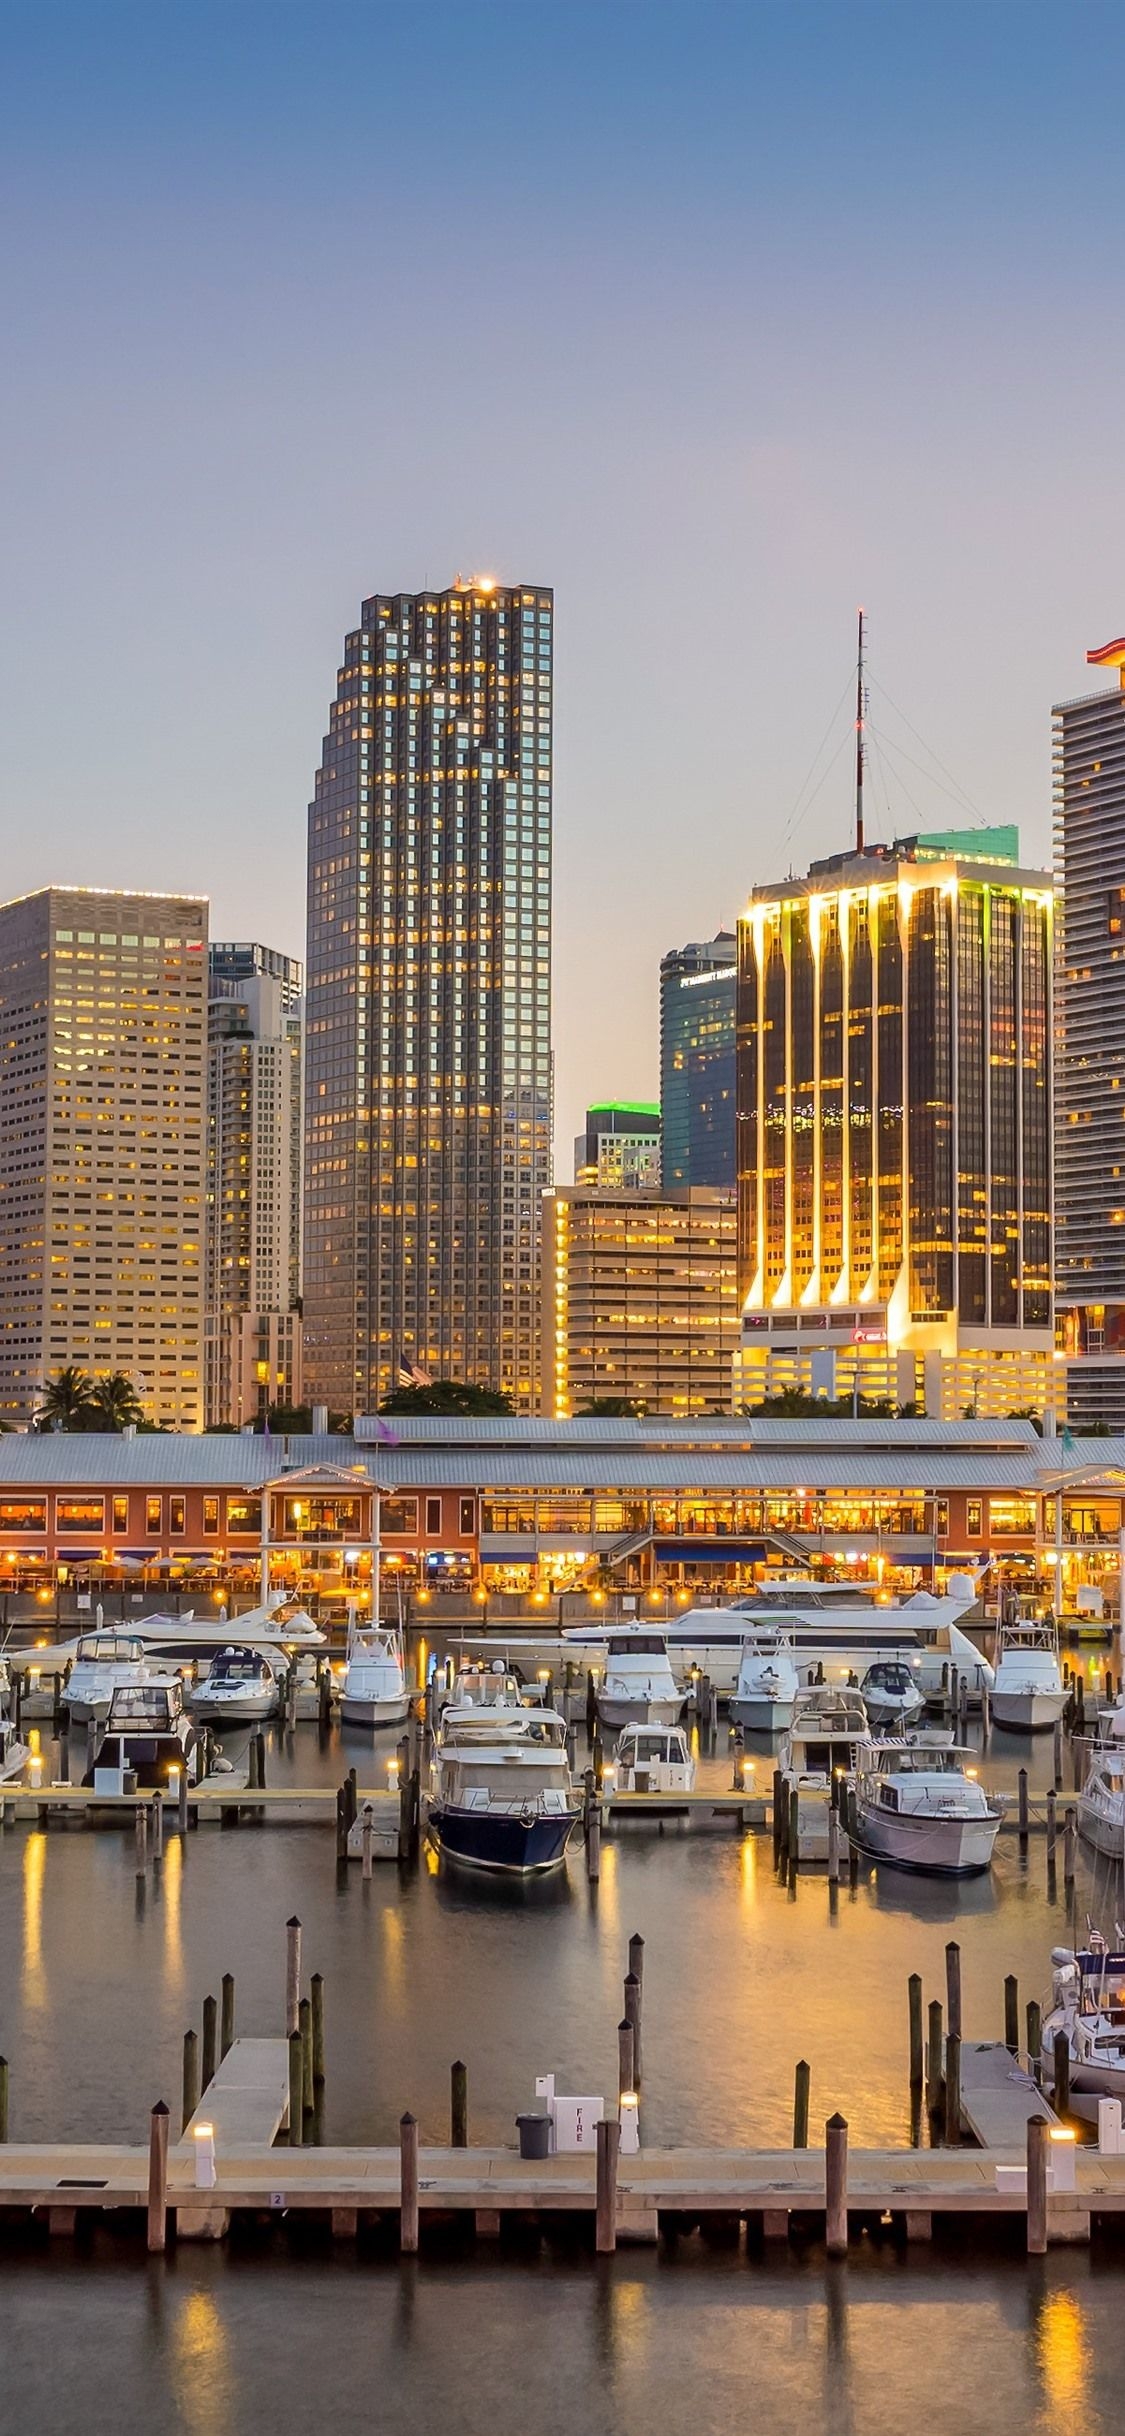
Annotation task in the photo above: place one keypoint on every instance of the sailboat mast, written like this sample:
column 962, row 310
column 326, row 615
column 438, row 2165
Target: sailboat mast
column 859, row 743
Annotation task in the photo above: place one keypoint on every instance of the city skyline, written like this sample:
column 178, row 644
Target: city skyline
column 807, row 328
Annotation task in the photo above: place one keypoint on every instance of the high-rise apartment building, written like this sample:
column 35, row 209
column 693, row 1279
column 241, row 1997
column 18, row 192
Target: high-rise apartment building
column 103, row 998
column 640, row 1300
column 252, row 1316
column 697, row 1062
column 428, row 1039
column 1089, row 790
column 620, row 1148
column 894, row 1098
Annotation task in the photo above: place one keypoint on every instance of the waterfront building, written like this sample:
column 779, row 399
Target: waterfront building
column 428, row 1041
column 1089, row 793
column 619, row 1151
column 252, row 1302
column 894, row 1095
column 103, row 999
column 657, row 1508
column 640, row 1299
column 697, row 1063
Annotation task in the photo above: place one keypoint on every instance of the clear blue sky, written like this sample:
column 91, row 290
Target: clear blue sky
column 721, row 319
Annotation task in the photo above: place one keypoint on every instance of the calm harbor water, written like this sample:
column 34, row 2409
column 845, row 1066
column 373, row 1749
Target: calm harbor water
column 742, row 1976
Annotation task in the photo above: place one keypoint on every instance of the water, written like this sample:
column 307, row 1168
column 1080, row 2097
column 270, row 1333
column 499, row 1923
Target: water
column 741, row 1978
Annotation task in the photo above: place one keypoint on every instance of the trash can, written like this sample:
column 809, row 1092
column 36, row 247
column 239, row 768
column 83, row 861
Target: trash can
column 535, row 2135
column 128, row 1780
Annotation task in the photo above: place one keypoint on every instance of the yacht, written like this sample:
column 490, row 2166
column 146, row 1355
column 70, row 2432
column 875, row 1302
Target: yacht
column 1088, row 2003
column 500, row 1796
column 638, row 1686
column 829, row 1737
column 767, row 1683
column 653, row 1759
column 1029, row 1693
column 241, row 1688
column 147, row 1730
column 281, row 1628
column 375, row 1689
column 919, row 1805
column 103, row 1663
column 892, row 1696
column 1101, row 1802
column 14, row 1754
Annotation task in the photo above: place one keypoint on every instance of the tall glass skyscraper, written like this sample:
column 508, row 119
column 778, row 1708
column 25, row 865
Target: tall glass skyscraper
column 428, row 1018
column 697, row 985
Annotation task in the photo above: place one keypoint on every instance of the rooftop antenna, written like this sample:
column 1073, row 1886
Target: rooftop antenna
column 859, row 712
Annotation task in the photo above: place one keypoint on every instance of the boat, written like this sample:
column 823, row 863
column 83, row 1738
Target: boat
column 1101, row 1801
column 104, row 1663
column 375, row 1691
column 500, row 1797
column 281, row 1627
column 241, row 1688
column 768, row 1682
column 920, row 1806
column 892, row 1696
column 1088, row 2004
column 1028, row 1693
column 638, row 1686
column 147, row 1732
column 829, row 1738
column 14, row 1754
column 653, row 1759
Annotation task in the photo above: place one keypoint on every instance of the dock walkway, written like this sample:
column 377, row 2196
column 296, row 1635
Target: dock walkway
column 998, row 2098
column 248, row 2100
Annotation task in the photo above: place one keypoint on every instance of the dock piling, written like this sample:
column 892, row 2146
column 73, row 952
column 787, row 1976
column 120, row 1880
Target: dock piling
column 226, row 2032
column 637, row 1961
column 594, row 1843
column 3, row 2100
column 633, row 2017
column 408, row 2184
column 934, row 2051
column 952, row 2133
column 316, row 1991
column 458, row 2106
column 157, row 1832
column 292, row 1973
column 802, row 2079
column 914, row 2000
column 626, row 2065
column 1070, row 1846
column 1012, row 2013
column 1024, row 1816
column 609, row 2142
column 1062, row 2075
column 304, row 2023
column 191, row 2077
column 1035, row 2040
column 1037, row 2186
column 953, row 1988
column 158, row 2177
column 140, row 1825
column 836, row 2186
column 1052, row 1828
column 296, row 2089
column 210, row 2027
column 181, row 1800
column 1058, row 1754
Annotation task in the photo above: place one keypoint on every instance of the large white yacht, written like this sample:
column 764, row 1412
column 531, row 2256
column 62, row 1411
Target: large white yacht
column 768, row 1682
column 240, row 1688
column 500, row 1797
column 829, row 1738
column 281, row 1627
column 375, row 1691
column 104, row 1663
column 1029, row 1693
column 638, row 1686
column 921, row 1806
column 1101, row 1801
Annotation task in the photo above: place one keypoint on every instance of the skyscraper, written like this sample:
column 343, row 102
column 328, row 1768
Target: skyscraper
column 428, row 1040
column 640, row 1299
column 894, row 1114
column 620, row 1148
column 252, row 1320
column 103, row 997
column 1089, row 787
column 697, row 1085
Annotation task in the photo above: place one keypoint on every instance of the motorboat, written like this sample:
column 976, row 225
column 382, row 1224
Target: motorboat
column 892, row 1696
column 1088, row 2004
column 638, row 1686
column 922, row 1807
column 148, row 1734
column 829, row 1738
column 281, row 1627
column 768, row 1682
column 241, row 1688
column 104, row 1663
column 14, row 1754
column 1029, row 1693
column 500, row 1797
column 375, row 1691
column 653, row 1759
column 1101, row 1800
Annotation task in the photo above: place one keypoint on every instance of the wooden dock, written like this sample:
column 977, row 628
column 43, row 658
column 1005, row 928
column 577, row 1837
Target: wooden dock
column 998, row 2097
column 247, row 2102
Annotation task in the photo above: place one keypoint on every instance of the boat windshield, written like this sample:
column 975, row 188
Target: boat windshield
column 237, row 1666
column 925, row 1759
column 887, row 1676
column 148, row 1704
column 638, row 1645
column 1103, row 1985
column 109, row 1649
column 645, row 1743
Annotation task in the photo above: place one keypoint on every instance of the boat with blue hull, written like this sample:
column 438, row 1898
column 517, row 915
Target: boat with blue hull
column 500, row 1795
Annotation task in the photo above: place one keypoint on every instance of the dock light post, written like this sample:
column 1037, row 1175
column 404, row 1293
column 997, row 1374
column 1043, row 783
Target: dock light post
column 1061, row 2152
column 204, row 2137
column 630, row 2122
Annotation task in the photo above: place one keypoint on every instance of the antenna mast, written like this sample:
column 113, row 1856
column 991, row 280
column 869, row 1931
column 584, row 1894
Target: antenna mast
column 859, row 714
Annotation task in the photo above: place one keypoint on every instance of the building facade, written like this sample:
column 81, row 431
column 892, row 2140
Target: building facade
column 252, row 1312
column 103, row 997
column 428, row 1041
column 894, row 1091
column 1089, row 792
column 697, row 1063
column 641, row 1300
column 620, row 1148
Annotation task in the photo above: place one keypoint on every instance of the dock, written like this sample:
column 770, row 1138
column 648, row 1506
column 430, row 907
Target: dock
column 998, row 2097
column 247, row 2102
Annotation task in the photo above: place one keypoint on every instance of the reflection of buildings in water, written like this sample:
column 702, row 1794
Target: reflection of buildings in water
column 201, row 2375
column 169, row 1887
column 34, row 1871
column 1062, row 2356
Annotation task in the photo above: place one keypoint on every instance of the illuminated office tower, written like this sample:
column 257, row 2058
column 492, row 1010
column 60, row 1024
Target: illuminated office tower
column 697, row 1060
column 428, row 1022
column 894, row 1128
column 640, row 1298
column 1089, row 774
column 252, row 1314
column 103, row 996
column 620, row 1148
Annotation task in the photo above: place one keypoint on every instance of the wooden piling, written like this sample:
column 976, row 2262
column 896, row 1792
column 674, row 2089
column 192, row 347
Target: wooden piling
column 367, row 1842
column 458, row 2106
column 1012, row 2014
column 1037, row 2133
column 304, row 2023
column 802, row 2079
column 1070, row 1846
column 316, row 1991
column 341, row 1827
column 594, row 1844
column 157, row 1832
column 793, row 1836
column 1024, row 1818
column 1062, row 2074
column 191, row 2077
column 3, row 2100
column 158, row 2177
column 836, row 2186
column 1052, row 1827
column 934, row 2052
column 292, row 1973
column 914, row 2002
column 1035, row 2040
column 780, row 1815
column 296, row 2089
column 609, row 2141
column 140, row 1824
column 210, row 2031
column 226, row 2018
column 181, row 1799
column 633, row 2017
column 408, row 2184
column 953, row 1987
column 1058, row 1753
column 833, row 1846
column 953, row 2089
column 637, row 1961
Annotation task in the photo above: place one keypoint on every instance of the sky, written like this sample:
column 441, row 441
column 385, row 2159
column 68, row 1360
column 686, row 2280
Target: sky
column 722, row 319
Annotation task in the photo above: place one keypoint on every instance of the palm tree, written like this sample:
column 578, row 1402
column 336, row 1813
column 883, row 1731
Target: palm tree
column 66, row 1400
column 114, row 1403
